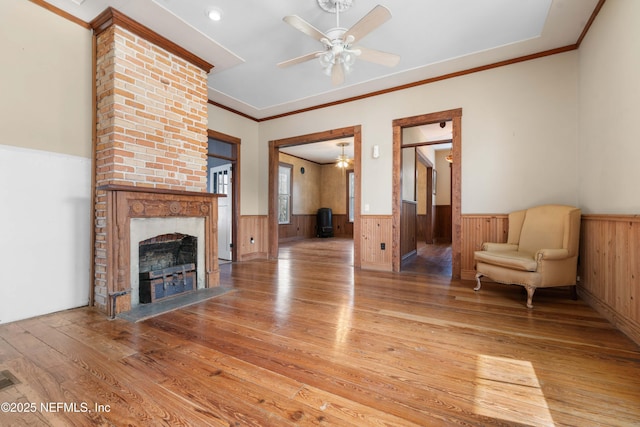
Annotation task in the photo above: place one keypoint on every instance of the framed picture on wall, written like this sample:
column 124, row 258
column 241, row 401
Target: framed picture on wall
column 434, row 182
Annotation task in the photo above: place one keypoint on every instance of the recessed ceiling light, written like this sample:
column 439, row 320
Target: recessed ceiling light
column 214, row 14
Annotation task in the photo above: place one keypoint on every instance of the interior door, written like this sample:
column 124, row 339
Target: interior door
column 220, row 182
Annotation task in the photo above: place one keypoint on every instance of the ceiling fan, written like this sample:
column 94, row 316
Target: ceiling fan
column 339, row 53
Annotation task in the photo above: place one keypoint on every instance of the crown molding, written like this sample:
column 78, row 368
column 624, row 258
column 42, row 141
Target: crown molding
column 112, row 16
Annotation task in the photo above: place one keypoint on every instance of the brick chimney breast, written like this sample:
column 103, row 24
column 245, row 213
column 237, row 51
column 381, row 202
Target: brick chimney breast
column 152, row 115
column 151, row 120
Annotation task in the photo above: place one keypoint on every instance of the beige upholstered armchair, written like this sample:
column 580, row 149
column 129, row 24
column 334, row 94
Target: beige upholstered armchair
column 541, row 250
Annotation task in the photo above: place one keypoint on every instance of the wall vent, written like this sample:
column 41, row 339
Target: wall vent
column 7, row 379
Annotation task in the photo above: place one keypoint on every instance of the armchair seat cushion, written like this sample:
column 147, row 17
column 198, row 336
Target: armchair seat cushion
column 514, row 260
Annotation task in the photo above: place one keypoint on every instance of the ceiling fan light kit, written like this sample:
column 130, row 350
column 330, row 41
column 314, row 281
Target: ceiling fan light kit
column 339, row 54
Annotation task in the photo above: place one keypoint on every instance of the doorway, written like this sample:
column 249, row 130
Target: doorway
column 223, row 166
column 221, row 182
column 455, row 117
column 430, row 237
column 274, row 152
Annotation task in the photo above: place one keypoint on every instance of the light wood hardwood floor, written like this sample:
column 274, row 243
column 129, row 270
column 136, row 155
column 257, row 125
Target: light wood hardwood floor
column 301, row 341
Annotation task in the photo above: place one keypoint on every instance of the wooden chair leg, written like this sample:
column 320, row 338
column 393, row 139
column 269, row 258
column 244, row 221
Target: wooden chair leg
column 478, row 283
column 530, row 291
column 574, row 292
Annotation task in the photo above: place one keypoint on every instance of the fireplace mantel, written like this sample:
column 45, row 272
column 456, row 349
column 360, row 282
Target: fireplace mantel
column 126, row 202
column 140, row 189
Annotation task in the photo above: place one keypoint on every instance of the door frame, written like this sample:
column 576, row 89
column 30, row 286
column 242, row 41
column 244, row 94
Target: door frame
column 274, row 151
column 235, row 185
column 455, row 116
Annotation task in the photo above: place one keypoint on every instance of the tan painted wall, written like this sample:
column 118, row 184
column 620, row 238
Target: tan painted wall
column 333, row 191
column 512, row 117
column 46, row 86
column 306, row 187
column 609, row 60
column 421, row 188
column 321, row 186
column 443, row 180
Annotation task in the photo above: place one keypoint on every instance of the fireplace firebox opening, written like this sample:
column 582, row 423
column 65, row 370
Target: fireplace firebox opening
column 167, row 266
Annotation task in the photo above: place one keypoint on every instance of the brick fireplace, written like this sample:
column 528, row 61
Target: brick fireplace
column 150, row 153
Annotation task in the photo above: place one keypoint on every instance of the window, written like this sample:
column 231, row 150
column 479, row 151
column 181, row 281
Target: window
column 351, row 197
column 284, row 193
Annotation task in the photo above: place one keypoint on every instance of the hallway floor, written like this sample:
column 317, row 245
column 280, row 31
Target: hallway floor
column 432, row 259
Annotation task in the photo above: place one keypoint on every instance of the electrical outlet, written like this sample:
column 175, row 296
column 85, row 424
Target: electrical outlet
column 382, row 246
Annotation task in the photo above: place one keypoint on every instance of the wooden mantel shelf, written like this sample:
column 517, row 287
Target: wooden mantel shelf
column 113, row 187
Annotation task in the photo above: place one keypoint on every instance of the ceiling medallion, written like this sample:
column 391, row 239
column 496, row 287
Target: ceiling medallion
column 330, row 5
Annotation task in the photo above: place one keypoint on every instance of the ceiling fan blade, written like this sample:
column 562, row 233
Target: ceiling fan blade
column 299, row 59
column 377, row 56
column 372, row 20
column 337, row 74
column 301, row 25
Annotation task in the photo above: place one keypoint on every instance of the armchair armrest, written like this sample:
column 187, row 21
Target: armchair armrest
column 499, row 247
column 552, row 254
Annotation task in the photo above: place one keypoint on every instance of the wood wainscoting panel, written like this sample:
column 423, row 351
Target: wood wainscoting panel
column 300, row 227
column 422, row 229
column 609, row 269
column 253, row 227
column 376, row 230
column 477, row 229
column 341, row 225
column 442, row 229
column 408, row 218
column 304, row 227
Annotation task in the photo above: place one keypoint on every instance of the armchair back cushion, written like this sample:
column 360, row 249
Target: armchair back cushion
column 544, row 227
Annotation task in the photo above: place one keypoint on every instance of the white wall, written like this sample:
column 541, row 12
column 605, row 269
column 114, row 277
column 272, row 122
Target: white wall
column 45, row 166
column 409, row 174
column 519, row 134
column 45, row 227
column 609, row 150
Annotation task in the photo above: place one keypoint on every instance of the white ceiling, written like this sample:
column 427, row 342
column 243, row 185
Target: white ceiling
column 323, row 153
column 432, row 37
